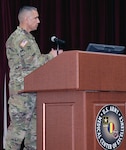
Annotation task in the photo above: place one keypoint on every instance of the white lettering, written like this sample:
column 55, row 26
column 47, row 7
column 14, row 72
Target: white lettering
column 105, row 110
column 119, row 141
column 99, row 135
column 122, row 126
column 98, row 127
column 114, row 109
column 104, row 144
column 114, row 145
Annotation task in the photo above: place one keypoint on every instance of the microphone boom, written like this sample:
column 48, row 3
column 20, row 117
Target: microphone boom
column 55, row 39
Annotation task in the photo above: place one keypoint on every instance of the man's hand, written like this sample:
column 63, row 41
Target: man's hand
column 54, row 52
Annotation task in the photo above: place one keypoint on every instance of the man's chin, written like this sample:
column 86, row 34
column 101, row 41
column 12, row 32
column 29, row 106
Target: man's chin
column 34, row 29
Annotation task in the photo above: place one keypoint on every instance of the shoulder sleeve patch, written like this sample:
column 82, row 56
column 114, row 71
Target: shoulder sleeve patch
column 23, row 43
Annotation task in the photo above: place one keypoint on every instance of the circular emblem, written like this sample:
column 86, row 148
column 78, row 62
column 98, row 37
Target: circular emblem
column 109, row 127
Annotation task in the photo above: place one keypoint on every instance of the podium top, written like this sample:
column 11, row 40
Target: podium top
column 79, row 70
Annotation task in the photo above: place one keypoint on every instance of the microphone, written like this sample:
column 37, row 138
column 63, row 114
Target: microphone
column 55, row 39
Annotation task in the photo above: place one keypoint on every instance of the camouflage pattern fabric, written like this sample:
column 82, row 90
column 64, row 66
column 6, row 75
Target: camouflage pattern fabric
column 22, row 112
column 24, row 57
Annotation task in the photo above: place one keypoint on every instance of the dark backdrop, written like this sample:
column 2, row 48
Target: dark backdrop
column 78, row 22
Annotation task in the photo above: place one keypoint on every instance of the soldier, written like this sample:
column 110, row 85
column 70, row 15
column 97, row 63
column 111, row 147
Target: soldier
column 24, row 57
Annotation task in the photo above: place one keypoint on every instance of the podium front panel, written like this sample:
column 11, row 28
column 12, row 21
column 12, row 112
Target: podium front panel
column 79, row 70
column 66, row 119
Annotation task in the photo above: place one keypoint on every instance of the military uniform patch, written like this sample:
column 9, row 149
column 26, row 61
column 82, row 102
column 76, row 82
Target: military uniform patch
column 23, row 43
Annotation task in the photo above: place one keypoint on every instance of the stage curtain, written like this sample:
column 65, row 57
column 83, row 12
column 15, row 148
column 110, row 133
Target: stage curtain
column 78, row 22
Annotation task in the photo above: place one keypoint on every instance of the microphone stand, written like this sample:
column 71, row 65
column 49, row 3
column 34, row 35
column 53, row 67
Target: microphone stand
column 57, row 49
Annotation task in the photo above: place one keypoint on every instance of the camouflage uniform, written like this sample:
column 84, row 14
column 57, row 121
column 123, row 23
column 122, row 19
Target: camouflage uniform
column 24, row 57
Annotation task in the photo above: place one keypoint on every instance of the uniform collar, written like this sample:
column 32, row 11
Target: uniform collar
column 25, row 32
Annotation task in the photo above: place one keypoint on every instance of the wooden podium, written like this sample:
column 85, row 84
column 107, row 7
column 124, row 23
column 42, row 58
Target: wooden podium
column 71, row 90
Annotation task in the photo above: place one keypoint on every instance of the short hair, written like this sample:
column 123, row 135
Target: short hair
column 24, row 10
